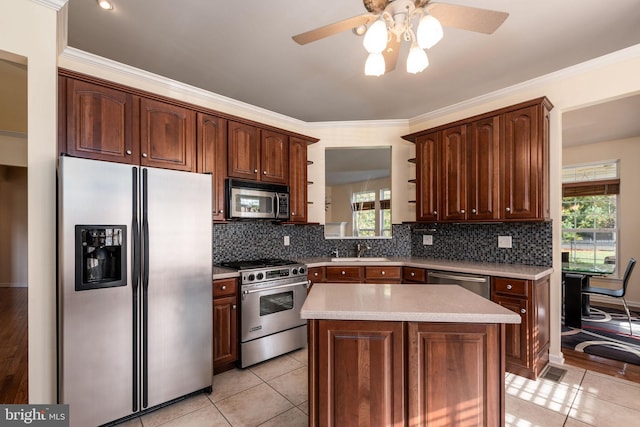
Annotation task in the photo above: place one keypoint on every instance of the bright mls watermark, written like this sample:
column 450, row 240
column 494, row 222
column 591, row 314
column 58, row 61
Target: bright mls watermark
column 34, row 415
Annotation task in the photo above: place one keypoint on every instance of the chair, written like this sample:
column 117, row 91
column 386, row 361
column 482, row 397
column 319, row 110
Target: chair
column 615, row 293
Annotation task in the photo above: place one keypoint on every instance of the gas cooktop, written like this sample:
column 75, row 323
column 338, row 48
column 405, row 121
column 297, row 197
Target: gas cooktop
column 257, row 263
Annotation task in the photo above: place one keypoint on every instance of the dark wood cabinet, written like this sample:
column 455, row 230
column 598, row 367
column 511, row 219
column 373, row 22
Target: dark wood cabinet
column 363, row 369
column 257, row 155
column 345, row 274
column 225, row 324
column 167, row 136
column 99, row 122
column 389, row 274
column 316, row 275
column 455, row 374
column 427, row 173
column 414, row 275
column 491, row 167
column 527, row 344
column 297, row 180
column 212, row 158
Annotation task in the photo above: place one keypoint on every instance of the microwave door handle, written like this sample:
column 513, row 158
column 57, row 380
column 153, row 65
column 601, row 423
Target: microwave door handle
column 277, row 202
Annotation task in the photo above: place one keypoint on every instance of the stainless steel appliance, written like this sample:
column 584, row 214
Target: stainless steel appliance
column 134, row 288
column 478, row 284
column 272, row 292
column 256, row 200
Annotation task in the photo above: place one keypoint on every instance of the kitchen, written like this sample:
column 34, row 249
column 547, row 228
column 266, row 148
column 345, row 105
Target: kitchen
column 566, row 94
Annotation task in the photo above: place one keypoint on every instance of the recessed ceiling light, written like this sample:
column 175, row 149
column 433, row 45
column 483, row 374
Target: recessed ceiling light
column 105, row 4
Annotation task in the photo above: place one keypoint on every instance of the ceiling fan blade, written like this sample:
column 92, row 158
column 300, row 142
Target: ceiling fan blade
column 390, row 54
column 335, row 28
column 467, row 18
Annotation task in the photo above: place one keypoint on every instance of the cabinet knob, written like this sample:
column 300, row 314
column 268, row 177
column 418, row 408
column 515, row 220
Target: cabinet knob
column 473, row 211
column 233, row 307
column 509, row 287
column 264, row 172
column 413, row 274
column 255, row 171
column 293, row 213
column 128, row 152
column 144, row 155
column 462, row 211
column 224, row 287
column 382, row 273
column 315, row 274
column 523, row 310
column 221, row 211
column 343, row 272
column 435, row 212
column 508, row 209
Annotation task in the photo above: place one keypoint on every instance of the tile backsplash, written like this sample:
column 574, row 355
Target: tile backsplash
column 531, row 242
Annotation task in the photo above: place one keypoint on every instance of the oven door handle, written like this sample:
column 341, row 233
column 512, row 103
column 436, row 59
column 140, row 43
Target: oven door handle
column 290, row 285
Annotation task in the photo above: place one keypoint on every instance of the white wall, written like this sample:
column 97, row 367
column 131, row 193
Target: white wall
column 627, row 151
column 28, row 35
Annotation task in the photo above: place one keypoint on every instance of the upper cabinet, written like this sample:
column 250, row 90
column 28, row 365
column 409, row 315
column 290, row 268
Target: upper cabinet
column 212, row 157
column 257, row 155
column 297, row 180
column 491, row 167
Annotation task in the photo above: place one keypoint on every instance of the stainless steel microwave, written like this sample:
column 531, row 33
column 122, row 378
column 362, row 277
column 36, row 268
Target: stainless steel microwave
column 256, row 200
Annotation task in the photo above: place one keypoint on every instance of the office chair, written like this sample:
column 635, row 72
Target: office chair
column 615, row 293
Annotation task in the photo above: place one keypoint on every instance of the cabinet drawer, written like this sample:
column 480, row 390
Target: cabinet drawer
column 413, row 274
column 506, row 286
column 225, row 287
column 316, row 274
column 383, row 273
column 345, row 274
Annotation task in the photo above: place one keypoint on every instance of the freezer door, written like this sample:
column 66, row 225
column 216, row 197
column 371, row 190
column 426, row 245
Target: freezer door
column 177, row 284
column 95, row 327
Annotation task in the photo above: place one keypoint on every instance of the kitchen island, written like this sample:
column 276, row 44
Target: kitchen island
column 412, row 355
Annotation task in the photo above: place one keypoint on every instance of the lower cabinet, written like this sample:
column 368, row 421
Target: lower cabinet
column 405, row 373
column 414, row 275
column 527, row 344
column 225, row 324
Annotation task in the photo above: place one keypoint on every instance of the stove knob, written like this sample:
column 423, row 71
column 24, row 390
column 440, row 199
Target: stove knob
column 260, row 276
column 301, row 270
column 294, row 271
column 251, row 277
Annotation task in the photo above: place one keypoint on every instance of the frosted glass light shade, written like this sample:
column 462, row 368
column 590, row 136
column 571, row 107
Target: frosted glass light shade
column 429, row 32
column 376, row 38
column 375, row 65
column 417, row 60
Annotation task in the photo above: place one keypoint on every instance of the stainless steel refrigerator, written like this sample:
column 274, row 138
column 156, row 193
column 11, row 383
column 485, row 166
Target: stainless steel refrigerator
column 134, row 288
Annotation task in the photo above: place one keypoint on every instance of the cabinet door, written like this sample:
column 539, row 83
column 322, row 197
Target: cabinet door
column 516, row 336
column 455, row 374
column 212, row 158
column 453, row 175
column 522, row 165
column 225, row 331
column 298, row 180
column 427, row 177
column 483, row 183
column 99, row 123
column 274, row 157
column 244, row 151
column 364, row 369
column 167, row 136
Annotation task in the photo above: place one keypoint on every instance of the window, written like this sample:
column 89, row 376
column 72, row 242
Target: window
column 371, row 214
column 589, row 213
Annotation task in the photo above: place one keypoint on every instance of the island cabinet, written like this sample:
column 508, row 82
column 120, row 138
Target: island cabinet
column 490, row 167
column 527, row 343
column 225, row 324
column 257, row 154
column 106, row 123
column 212, row 158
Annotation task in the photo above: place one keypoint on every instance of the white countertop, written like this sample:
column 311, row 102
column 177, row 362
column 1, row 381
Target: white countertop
column 415, row 303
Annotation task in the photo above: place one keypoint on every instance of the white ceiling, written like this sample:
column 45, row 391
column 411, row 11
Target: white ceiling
column 243, row 50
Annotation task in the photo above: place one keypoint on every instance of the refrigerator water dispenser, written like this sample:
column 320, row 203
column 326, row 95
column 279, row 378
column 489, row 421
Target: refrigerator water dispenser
column 101, row 254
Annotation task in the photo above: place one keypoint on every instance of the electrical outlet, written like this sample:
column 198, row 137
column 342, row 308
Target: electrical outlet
column 427, row 239
column 504, row 241
column 286, row 241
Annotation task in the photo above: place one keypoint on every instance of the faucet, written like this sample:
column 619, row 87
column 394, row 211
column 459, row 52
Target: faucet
column 360, row 249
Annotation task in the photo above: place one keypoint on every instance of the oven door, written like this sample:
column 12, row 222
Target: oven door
column 272, row 308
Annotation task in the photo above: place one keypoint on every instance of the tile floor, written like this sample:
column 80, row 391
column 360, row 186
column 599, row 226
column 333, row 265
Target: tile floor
column 274, row 393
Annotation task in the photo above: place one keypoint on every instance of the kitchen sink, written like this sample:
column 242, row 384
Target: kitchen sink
column 361, row 259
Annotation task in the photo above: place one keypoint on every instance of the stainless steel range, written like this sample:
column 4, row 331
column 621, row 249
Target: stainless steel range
column 272, row 292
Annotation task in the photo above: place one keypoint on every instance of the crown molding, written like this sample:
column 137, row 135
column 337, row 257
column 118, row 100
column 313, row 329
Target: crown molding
column 592, row 64
column 51, row 4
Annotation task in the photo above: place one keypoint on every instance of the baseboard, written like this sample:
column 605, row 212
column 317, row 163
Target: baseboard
column 613, row 302
column 556, row 359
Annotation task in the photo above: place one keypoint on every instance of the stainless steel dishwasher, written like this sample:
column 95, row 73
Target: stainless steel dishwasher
column 476, row 283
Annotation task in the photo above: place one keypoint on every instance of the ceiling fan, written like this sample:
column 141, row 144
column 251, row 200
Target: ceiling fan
column 392, row 21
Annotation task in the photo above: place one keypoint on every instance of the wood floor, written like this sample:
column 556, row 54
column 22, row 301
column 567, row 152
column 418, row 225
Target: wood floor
column 13, row 346
column 614, row 368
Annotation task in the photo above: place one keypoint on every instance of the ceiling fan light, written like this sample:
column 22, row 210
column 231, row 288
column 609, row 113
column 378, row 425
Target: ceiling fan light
column 417, row 60
column 375, row 40
column 105, row 4
column 375, row 65
column 429, row 32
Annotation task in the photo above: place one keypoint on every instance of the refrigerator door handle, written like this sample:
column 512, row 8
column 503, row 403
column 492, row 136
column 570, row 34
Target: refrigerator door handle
column 145, row 286
column 135, row 279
